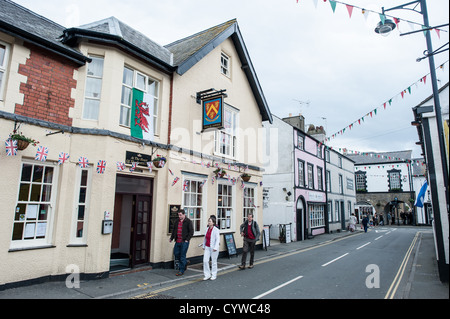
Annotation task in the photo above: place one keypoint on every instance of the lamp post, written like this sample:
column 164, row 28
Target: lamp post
column 384, row 28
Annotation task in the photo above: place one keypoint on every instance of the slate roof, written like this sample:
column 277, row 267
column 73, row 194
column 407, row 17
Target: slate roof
column 31, row 27
column 186, row 48
column 379, row 158
column 121, row 32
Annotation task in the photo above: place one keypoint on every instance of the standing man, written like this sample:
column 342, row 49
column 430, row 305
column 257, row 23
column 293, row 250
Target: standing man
column 182, row 232
column 250, row 231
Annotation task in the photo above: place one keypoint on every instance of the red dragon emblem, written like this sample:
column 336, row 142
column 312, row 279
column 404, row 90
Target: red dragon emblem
column 140, row 114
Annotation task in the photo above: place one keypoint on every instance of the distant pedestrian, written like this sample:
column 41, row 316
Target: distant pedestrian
column 381, row 220
column 352, row 223
column 365, row 223
column 182, row 232
column 388, row 220
column 211, row 244
column 250, row 231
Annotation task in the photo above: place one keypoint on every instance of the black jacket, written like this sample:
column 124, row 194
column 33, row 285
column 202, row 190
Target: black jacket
column 187, row 231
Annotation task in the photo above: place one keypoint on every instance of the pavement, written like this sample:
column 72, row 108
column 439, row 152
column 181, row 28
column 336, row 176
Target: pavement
column 420, row 281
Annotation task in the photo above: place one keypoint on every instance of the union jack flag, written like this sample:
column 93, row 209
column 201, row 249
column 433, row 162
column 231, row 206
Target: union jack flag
column 150, row 166
column 41, row 154
column 120, row 166
column 133, row 166
column 83, row 162
column 175, row 180
column 11, row 147
column 101, row 166
column 62, row 158
column 185, row 185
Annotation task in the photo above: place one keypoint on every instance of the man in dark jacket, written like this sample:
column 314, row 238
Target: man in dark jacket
column 182, row 232
column 250, row 231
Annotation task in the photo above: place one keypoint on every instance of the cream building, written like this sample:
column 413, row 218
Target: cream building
column 76, row 97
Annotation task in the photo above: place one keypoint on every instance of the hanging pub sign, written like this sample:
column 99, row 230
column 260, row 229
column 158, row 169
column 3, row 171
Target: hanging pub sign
column 212, row 109
column 212, row 113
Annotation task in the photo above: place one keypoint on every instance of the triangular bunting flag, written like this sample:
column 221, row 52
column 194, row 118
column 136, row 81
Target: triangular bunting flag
column 333, row 5
column 350, row 10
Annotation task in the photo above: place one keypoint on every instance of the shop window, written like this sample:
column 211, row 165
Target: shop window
column 33, row 211
column 316, row 215
column 224, row 206
column 193, row 202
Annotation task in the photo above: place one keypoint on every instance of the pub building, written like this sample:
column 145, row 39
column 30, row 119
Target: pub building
column 124, row 131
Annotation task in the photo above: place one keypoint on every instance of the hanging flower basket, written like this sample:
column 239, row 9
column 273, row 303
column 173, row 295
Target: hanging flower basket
column 23, row 141
column 246, row 177
column 159, row 162
column 220, row 172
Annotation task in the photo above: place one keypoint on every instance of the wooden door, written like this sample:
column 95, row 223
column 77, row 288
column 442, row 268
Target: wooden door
column 140, row 236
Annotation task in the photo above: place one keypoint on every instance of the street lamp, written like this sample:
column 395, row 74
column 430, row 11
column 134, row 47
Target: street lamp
column 384, row 29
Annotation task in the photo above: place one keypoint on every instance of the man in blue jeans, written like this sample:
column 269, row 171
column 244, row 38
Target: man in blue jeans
column 182, row 232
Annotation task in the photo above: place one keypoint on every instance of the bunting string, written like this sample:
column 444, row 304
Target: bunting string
column 366, row 12
column 373, row 112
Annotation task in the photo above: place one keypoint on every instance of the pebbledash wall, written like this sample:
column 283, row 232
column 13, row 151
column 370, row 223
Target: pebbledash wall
column 52, row 213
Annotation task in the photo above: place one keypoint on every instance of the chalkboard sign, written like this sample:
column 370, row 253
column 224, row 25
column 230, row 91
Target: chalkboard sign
column 231, row 244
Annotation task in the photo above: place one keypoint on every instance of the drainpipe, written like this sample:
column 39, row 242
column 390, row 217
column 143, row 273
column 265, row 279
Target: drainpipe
column 170, row 110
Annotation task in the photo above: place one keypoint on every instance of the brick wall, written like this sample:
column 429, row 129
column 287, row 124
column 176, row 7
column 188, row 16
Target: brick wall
column 47, row 91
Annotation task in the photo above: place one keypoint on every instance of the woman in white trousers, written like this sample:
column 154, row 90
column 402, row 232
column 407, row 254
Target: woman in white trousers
column 211, row 244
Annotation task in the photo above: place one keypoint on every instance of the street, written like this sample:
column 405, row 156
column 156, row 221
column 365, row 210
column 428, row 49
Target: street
column 366, row 265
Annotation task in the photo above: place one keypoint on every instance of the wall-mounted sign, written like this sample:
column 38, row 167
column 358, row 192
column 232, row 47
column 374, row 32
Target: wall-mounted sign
column 212, row 109
column 141, row 159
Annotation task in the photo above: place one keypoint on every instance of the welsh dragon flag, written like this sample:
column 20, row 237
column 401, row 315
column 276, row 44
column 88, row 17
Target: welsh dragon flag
column 141, row 125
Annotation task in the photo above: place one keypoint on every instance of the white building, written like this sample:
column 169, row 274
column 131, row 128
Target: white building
column 383, row 183
column 278, row 179
column 427, row 129
column 341, row 192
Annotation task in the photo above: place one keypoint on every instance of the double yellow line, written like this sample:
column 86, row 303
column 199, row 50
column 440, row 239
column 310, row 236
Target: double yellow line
column 398, row 278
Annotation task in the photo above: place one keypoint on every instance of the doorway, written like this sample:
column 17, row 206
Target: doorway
column 302, row 229
column 130, row 244
column 342, row 216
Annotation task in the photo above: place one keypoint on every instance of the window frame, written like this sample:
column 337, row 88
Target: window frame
column 361, row 181
column 74, row 239
column 301, row 173
column 225, row 69
column 155, row 95
column 204, row 196
column 395, row 173
column 316, row 215
column 230, row 132
column 232, row 216
column 4, row 68
column 248, row 204
column 47, row 238
column 91, row 98
column 310, row 175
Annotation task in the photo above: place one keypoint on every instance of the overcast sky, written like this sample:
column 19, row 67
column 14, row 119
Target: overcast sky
column 329, row 67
